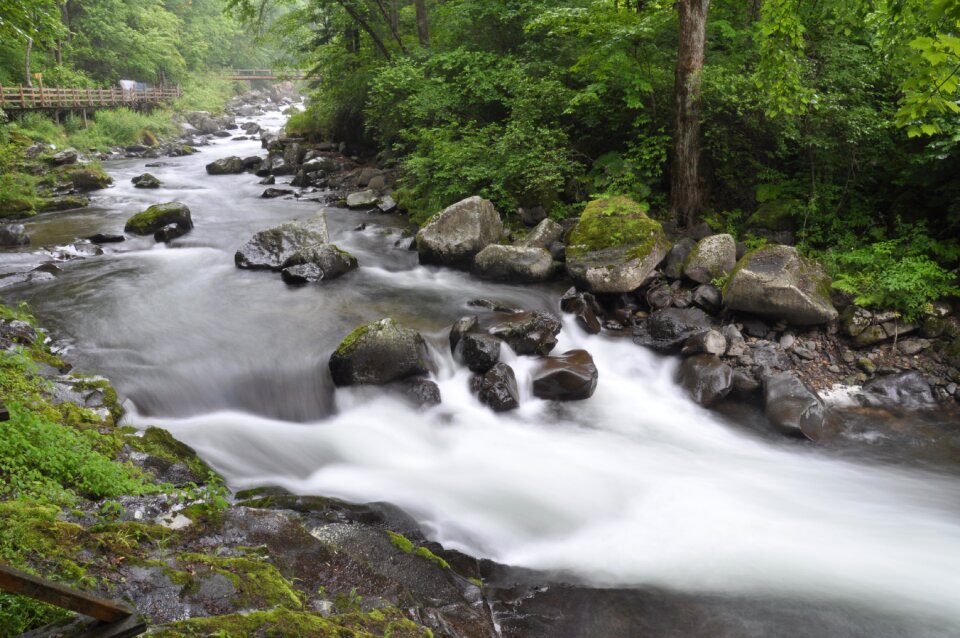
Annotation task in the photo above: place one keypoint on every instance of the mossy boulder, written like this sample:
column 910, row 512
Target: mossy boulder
column 712, row 258
column 16, row 207
column 614, row 247
column 321, row 262
column 270, row 249
column 777, row 281
column 64, row 202
column 146, row 181
column 378, row 353
column 158, row 216
column 89, row 178
column 454, row 236
column 775, row 220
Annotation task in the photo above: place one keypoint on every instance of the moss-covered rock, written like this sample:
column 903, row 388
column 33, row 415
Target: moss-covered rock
column 712, row 258
column 777, row 281
column 89, row 178
column 157, row 216
column 614, row 247
column 65, row 202
column 378, row 353
column 775, row 214
column 16, row 207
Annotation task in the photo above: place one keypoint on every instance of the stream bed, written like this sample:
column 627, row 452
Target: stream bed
column 644, row 501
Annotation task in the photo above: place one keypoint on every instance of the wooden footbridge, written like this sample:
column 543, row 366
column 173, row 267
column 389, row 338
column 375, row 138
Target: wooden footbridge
column 25, row 98
column 263, row 74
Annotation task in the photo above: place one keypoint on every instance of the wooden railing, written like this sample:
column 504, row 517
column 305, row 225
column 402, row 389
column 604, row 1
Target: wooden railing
column 23, row 97
column 263, row 74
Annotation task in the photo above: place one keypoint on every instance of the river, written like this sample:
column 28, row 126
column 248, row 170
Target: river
column 636, row 487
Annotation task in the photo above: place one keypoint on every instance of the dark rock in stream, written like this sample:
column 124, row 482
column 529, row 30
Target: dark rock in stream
column 14, row 235
column 792, row 407
column 272, row 193
column 665, row 331
column 320, row 262
column 479, row 351
column 169, row 232
column 146, row 181
column 706, row 379
column 498, row 388
column 102, row 238
column 526, row 332
column 226, row 166
column 905, row 391
column 158, row 216
column 378, row 353
column 584, row 307
column 571, row 376
column 462, row 326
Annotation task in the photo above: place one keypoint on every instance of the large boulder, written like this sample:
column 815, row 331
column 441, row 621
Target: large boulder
column 479, row 351
column 792, row 406
column 546, row 233
column 227, row 166
column 454, row 236
column 673, row 264
column 320, row 262
column 775, row 220
column 363, row 199
column 379, row 353
column 777, row 281
column 571, row 376
column 907, row 390
column 14, row 235
column 145, row 181
column 514, row 264
column 498, row 388
column 614, row 247
column 712, row 258
column 270, row 249
column 526, row 332
column 706, row 378
column 158, row 216
column 203, row 122
column 665, row 331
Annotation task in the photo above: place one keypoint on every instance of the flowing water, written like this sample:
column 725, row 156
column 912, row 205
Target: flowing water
column 636, row 487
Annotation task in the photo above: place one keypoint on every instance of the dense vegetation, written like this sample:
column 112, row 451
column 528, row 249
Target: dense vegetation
column 837, row 119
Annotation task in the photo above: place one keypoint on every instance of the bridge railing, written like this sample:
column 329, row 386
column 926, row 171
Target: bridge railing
column 24, row 97
column 263, row 74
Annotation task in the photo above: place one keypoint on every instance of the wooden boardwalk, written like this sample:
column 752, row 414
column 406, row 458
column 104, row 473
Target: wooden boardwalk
column 22, row 98
column 263, row 74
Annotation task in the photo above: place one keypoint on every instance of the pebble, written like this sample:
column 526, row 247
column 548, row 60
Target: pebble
column 849, row 357
column 867, row 365
column 787, row 341
column 834, row 369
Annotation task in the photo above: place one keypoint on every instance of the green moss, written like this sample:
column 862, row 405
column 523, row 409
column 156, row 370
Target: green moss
column 776, row 214
column 349, row 342
column 281, row 623
column 161, row 444
column 423, row 552
column 614, row 222
column 88, row 177
column 110, row 398
column 258, row 582
column 156, row 217
column 401, row 542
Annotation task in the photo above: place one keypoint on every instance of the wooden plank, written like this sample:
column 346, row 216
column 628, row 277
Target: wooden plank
column 17, row 582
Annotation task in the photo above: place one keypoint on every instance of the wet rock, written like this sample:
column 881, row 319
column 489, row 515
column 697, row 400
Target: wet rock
column 712, row 258
column 584, row 308
column 744, row 383
column 673, row 264
column 158, row 216
column 571, row 376
column 736, row 345
column 461, row 327
column 777, row 281
column 271, row 248
column 62, row 202
column 495, row 306
column 514, row 264
column 614, row 246
column 709, row 342
column 706, row 379
column 226, row 166
column 272, row 193
column 526, row 332
column 320, row 165
column 908, row 390
column 205, row 123
column 387, row 204
column 480, row 352
column 68, row 156
column 378, row 353
column 421, row 392
column 269, row 180
column 793, row 407
column 146, row 181
column 16, row 331
column 365, row 199
column 89, row 179
column 14, row 235
column 252, row 162
column 105, row 238
column 708, row 297
column 498, row 388
column 665, row 331
column 169, row 232
column 454, row 236
column 320, row 262
column 768, row 357
column 543, row 236
column 531, row 216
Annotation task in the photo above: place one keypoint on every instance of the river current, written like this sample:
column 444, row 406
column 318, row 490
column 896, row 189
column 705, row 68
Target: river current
column 636, row 487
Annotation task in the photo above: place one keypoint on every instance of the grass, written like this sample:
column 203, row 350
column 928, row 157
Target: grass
column 208, row 93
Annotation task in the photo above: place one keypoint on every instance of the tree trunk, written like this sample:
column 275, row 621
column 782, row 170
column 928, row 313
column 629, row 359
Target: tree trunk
column 363, row 24
column 423, row 27
column 26, row 63
column 686, row 191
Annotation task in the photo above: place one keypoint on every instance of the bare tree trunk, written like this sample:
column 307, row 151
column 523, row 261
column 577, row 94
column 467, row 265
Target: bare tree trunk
column 388, row 17
column 686, row 191
column 395, row 15
column 356, row 17
column 26, row 63
column 423, row 27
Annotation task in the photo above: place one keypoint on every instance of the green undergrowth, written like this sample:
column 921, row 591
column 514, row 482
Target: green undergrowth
column 207, row 92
